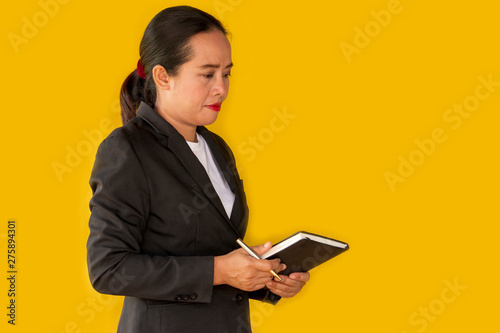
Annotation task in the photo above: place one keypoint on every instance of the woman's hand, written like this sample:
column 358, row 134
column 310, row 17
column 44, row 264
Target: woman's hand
column 290, row 285
column 240, row 270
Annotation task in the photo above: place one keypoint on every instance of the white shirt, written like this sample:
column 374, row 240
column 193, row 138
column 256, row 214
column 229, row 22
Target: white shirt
column 202, row 151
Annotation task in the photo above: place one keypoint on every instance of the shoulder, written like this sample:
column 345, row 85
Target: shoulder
column 126, row 136
column 120, row 147
column 117, row 156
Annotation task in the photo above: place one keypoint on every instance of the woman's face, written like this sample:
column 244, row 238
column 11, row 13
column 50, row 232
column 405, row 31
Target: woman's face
column 194, row 95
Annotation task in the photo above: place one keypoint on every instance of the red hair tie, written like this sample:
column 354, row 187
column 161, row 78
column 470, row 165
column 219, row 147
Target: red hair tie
column 140, row 70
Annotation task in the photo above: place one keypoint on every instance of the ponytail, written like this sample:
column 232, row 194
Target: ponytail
column 134, row 90
column 166, row 43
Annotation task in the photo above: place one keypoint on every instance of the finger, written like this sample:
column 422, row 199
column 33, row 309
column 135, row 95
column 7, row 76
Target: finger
column 281, row 293
column 262, row 248
column 280, row 268
column 300, row 276
column 284, row 290
column 266, row 265
column 264, row 279
column 286, row 281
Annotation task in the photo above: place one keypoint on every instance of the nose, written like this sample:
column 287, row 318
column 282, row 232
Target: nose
column 220, row 86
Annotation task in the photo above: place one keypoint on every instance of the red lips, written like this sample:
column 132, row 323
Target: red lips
column 215, row 107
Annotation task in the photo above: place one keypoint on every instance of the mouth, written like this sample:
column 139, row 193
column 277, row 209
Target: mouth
column 215, row 107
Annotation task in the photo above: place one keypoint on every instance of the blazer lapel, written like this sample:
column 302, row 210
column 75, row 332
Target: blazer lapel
column 220, row 159
column 239, row 214
column 177, row 144
column 181, row 149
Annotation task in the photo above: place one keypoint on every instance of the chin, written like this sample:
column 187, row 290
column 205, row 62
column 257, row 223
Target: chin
column 208, row 120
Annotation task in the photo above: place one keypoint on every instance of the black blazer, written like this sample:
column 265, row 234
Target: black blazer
column 156, row 224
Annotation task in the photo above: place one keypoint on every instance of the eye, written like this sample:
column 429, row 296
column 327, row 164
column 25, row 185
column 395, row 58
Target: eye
column 227, row 75
column 208, row 76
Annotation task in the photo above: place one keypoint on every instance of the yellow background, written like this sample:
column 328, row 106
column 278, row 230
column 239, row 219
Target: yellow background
column 322, row 171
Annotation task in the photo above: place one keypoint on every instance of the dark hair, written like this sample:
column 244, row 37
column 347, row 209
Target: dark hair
column 165, row 42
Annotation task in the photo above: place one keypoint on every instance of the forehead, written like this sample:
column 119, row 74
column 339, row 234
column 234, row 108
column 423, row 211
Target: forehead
column 210, row 47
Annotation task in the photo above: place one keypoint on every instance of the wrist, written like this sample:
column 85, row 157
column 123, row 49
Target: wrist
column 218, row 271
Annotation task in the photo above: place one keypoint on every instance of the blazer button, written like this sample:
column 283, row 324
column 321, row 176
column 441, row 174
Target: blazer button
column 178, row 297
column 193, row 296
column 238, row 298
column 185, row 297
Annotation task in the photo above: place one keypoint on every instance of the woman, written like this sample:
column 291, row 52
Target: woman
column 168, row 203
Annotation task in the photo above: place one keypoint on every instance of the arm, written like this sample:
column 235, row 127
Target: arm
column 119, row 211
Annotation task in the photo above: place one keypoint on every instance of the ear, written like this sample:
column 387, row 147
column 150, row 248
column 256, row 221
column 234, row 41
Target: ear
column 161, row 78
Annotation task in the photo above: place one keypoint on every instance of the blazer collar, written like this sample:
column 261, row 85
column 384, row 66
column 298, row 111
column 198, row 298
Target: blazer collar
column 177, row 144
column 156, row 121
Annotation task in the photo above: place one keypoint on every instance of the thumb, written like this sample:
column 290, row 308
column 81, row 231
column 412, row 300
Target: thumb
column 262, row 248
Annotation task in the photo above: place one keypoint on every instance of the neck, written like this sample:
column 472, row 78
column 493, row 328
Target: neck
column 187, row 131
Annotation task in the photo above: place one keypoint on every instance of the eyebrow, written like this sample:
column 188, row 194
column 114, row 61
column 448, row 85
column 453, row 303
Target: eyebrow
column 214, row 66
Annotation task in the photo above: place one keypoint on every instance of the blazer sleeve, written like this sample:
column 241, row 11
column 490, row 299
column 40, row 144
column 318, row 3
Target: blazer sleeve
column 119, row 211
